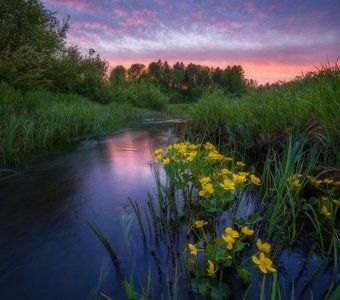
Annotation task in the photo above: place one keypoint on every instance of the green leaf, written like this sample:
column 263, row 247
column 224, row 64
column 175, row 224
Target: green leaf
column 211, row 288
column 239, row 246
column 244, row 274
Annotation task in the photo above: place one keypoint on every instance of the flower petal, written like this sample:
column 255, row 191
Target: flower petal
column 263, row 269
column 255, row 260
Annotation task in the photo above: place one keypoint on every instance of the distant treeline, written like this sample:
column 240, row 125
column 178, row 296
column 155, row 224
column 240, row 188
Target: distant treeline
column 34, row 56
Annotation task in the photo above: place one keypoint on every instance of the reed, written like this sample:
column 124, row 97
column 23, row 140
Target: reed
column 308, row 107
column 41, row 121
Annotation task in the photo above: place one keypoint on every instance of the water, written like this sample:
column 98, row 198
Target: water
column 48, row 251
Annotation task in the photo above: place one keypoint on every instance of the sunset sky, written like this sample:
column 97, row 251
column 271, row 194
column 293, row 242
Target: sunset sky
column 272, row 40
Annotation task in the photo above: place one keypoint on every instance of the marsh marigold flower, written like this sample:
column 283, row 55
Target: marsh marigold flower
column 204, row 180
column 228, row 184
column 264, row 247
column 238, row 178
column 247, row 231
column 211, row 269
column 166, row 161
column 233, row 233
column 229, row 240
column 209, row 146
column 264, row 263
column 255, row 180
column 193, row 249
column 328, row 181
column 200, row 223
column 325, row 211
column 240, row 164
column 337, row 202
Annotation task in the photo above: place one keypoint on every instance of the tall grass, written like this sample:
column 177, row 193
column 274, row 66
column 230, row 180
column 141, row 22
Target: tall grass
column 42, row 120
column 307, row 107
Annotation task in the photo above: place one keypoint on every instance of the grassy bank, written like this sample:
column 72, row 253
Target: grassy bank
column 42, row 120
column 307, row 109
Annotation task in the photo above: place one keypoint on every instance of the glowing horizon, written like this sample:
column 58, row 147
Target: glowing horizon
column 271, row 40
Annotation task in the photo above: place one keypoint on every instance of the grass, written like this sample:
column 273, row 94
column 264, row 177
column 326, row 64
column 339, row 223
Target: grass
column 261, row 120
column 42, row 120
column 288, row 208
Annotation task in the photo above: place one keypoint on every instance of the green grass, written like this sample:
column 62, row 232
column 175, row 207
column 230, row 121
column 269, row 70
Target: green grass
column 261, row 120
column 42, row 120
column 181, row 110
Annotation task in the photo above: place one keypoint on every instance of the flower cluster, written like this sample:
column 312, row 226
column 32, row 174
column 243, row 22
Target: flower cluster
column 213, row 176
column 221, row 253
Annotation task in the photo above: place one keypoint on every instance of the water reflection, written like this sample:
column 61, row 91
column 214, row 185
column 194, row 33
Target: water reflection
column 47, row 250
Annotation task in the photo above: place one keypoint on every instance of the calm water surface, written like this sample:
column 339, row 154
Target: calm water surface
column 47, row 249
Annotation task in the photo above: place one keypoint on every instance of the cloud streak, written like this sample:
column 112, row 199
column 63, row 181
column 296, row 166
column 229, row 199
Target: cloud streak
column 254, row 32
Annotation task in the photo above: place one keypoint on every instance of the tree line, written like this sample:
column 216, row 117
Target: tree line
column 34, row 55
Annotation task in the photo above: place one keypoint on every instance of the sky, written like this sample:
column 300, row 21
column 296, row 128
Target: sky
column 271, row 40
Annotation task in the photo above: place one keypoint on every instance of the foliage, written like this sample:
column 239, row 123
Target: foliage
column 42, row 120
column 260, row 120
column 202, row 185
column 30, row 37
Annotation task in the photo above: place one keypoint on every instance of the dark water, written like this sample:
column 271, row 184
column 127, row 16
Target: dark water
column 47, row 249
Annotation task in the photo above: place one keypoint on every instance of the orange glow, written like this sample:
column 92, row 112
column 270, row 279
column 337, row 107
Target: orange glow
column 262, row 72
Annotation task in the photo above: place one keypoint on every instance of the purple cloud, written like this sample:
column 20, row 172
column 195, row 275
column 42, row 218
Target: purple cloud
column 255, row 32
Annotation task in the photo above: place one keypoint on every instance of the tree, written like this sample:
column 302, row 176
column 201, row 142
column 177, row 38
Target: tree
column 191, row 75
column 155, row 70
column 135, row 71
column 178, row 75
column 233, row 79
column 118, row 76
column 31, row 37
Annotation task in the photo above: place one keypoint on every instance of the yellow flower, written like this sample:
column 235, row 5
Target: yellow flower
column 227, row 158
column 207, row 188
column 336, row 182
column 201, row 193
column 240, row 163
column 337, row 202
column 324, row 198
column 327, row 181
column 209, row 146
column 228, row 184
column 294, row 182
column 193, row 249
column 229, row 240
column 264, row 247
column 225, row 171
column 158, row 151
column 247, row 231
column 233, row 233
column 200, row 223
column 264, row 263
column 314, row 181
column 211, row 269
column 158, row 158
column 166, row 161
column 169, row 148
column 245, row 174
column 255, row 180
column 192, row 156
column 325, row 211
column 204, row 180
column 238, row 178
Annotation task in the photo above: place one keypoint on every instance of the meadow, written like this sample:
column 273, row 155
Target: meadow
column 41, row 120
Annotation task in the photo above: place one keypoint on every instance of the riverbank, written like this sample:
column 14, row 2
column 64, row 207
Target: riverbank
column 305, row 110
column 42, row 120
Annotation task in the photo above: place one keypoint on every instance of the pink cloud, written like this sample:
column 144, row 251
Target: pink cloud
column 251, row 8
column 73, row 4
